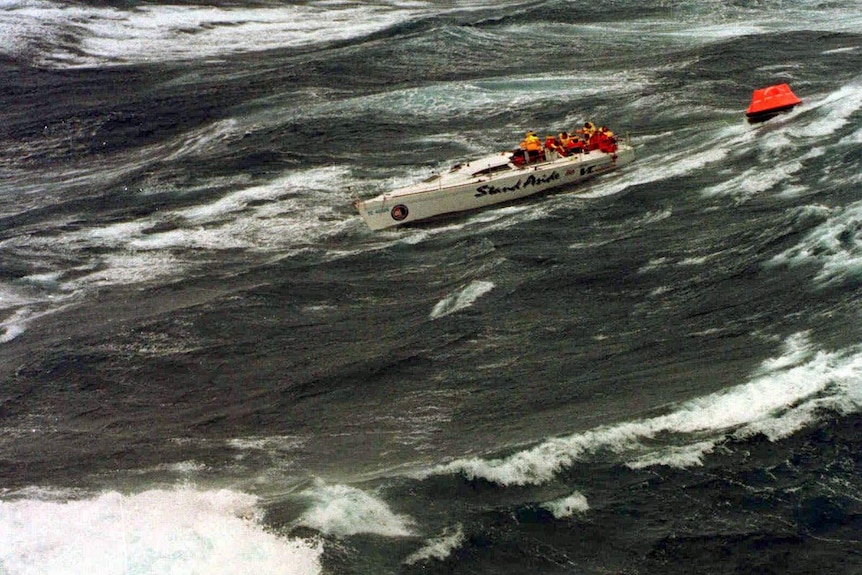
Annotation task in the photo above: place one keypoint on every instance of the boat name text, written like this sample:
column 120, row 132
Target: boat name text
column 530, row 181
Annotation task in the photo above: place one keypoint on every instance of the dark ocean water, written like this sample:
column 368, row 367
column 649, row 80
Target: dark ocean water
column 210, row 365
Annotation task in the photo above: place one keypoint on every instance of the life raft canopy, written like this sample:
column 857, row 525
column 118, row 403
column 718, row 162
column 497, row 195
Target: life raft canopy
column 771, row 101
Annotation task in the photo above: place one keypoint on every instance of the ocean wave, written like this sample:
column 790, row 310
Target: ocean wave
column 787, row 394
column 438, row 548
column 567, row 506
column 835, row 246
column 343, row 510
column 461, row 300
column 72, row 35
column 154, row 532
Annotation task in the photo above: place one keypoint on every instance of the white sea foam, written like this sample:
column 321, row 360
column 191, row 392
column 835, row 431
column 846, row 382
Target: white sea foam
column 105, row 36
column 14, row 325
column 286, row 214
column 652, row 265
column 154, row 532
column 127, row 267
column 268, row 443
column 676, row 165
column 13, row 297
column 679, row 456
column 461, row 299
column 833, row 112
column 835, row 246
column 797, row 349
column 756, row 180
column 199, row 142
column 456, row 99
column 439, row 547
column 342, row 510
column 274, row 215
column 846, row 50
column 568, row 506
column 785, row 394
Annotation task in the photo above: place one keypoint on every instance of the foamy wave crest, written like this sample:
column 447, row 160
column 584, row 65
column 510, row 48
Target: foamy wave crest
column 154, row 532
column 65, row 34
column 675, row 165
column 14, row 325
column 438, row 548
column 462, row 299
column 835, row 245
column 837, row 108
column 679, row 456
column 567, row 506
column 342, row 510
column 785, row 394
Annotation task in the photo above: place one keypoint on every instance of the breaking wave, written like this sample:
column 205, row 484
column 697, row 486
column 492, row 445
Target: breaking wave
column 567, row 506
column 342, row 510
column 461, row 300
column 787, row 394
column 151, row 533
column 438, row 548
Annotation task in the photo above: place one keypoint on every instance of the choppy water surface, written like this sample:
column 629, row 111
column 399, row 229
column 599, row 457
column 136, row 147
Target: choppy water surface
column 211, row 365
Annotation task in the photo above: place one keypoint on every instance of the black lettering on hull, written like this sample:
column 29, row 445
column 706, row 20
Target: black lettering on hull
column 530, row 181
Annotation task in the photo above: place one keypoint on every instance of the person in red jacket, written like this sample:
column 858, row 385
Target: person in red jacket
column 553, row 146
column 576, row 146
column 606, row 141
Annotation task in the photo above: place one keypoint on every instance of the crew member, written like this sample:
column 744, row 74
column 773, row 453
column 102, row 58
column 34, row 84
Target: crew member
column 552, row 145
column 588, row 130
column 606, row 141
column 532, row 145
column 575, row 146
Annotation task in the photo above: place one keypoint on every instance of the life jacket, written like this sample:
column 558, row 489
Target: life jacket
column 532, row 143
column 575, row 145
column 606, row 142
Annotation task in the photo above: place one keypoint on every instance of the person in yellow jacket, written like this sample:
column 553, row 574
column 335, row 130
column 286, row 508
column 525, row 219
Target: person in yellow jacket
column 531, row 142
column 533, row 145
column 588, row 130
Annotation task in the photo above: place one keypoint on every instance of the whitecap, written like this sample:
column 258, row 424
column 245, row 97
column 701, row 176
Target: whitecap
column 439, row 547
column 567, row 506
column 150, row 533
column 461, row 300
column 832, row 113
column 835, row 246
column 61, row 35
column 14, row 325
column 784, row 395
column 343, row 510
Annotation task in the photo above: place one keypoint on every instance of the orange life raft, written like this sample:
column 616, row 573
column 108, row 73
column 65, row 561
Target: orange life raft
column 769, row 102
